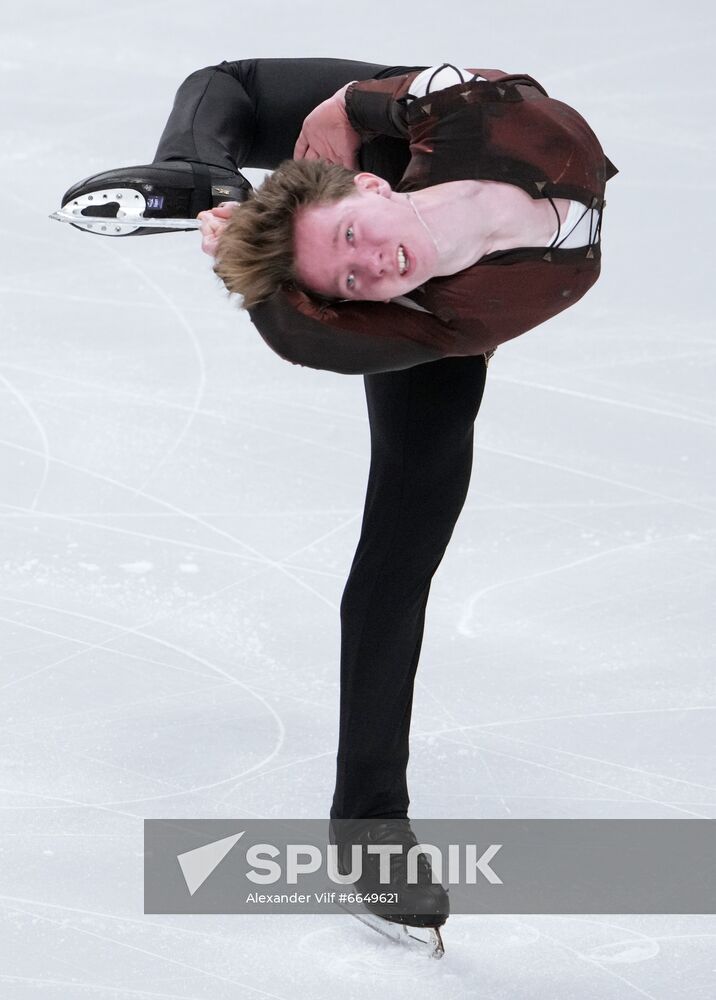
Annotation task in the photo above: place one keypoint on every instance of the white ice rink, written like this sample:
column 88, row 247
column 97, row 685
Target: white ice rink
column 180, row 507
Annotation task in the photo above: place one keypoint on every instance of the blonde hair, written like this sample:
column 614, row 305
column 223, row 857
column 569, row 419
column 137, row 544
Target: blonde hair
column 255, row 255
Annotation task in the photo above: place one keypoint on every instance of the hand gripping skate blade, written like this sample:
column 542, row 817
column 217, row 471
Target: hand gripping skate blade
column 427, row 940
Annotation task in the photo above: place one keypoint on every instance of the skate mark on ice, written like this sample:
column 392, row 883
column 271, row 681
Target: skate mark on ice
column 137, row 630
column 609, row 763
column 267, row 562
column 597, row 965
column 83, row 930
column 609, row 401
column 21, row 398
column 595, row 476
column 592, row 781
column 189, row 330
column 463, row 623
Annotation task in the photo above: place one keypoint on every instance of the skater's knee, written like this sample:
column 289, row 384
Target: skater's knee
column 205, row 73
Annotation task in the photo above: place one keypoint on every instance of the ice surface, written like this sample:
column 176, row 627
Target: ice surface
column 180, row 509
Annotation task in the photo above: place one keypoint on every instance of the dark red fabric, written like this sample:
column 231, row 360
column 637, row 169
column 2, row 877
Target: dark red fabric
column 505, row 128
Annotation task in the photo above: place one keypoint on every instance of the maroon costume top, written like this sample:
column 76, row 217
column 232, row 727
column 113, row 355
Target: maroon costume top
column 504, row 128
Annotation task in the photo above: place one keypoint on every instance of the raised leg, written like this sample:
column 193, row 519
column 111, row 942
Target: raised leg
column 248, row 113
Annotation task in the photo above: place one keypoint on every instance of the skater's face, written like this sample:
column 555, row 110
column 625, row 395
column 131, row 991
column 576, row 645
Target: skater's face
column 349, row 249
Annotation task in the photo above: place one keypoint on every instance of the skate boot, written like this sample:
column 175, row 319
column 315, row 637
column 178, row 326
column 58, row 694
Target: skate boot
column 170, row 189
column 419, row 904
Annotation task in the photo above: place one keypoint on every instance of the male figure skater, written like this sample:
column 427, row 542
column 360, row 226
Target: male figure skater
column 250, row 113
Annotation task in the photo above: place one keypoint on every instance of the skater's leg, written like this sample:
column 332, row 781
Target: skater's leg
column 248, row 113
column 421, row 423
column 212, row 121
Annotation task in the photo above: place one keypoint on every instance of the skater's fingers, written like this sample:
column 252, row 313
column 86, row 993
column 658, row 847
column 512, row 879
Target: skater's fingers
column 348, row 151
column 339, row 150
column 209, row 245
column 209, row 223
column 210, row 232
column 219, row 214
column 226, row 209
column 299, row 150
column 213, row 224
column 223, row 212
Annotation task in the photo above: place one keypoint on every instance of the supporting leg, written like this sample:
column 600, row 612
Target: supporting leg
column 421, row 423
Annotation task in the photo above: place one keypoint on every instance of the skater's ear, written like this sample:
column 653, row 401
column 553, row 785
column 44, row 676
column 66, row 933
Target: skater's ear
column 368, row 182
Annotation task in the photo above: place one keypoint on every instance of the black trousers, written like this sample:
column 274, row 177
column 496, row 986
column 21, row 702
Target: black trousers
column 249, row 113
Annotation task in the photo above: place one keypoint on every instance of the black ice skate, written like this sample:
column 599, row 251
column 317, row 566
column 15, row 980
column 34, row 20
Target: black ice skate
column 421, row 908
column 156, row 198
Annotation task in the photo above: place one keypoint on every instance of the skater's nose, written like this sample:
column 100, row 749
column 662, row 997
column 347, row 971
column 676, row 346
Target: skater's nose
column 374, row 263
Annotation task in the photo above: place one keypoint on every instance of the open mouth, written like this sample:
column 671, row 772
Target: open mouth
column 403, row 260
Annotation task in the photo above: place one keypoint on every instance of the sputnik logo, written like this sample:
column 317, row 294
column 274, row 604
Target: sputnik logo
column 198, row 864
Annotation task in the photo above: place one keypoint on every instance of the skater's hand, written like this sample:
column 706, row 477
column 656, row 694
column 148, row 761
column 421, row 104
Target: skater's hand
column 213, row 222
column 327, row 134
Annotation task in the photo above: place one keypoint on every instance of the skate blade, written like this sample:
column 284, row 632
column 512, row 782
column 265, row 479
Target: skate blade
column 121, row 227
column 427, row 940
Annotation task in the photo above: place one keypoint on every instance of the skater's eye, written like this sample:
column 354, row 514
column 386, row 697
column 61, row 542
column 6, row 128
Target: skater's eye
column 350, row 280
